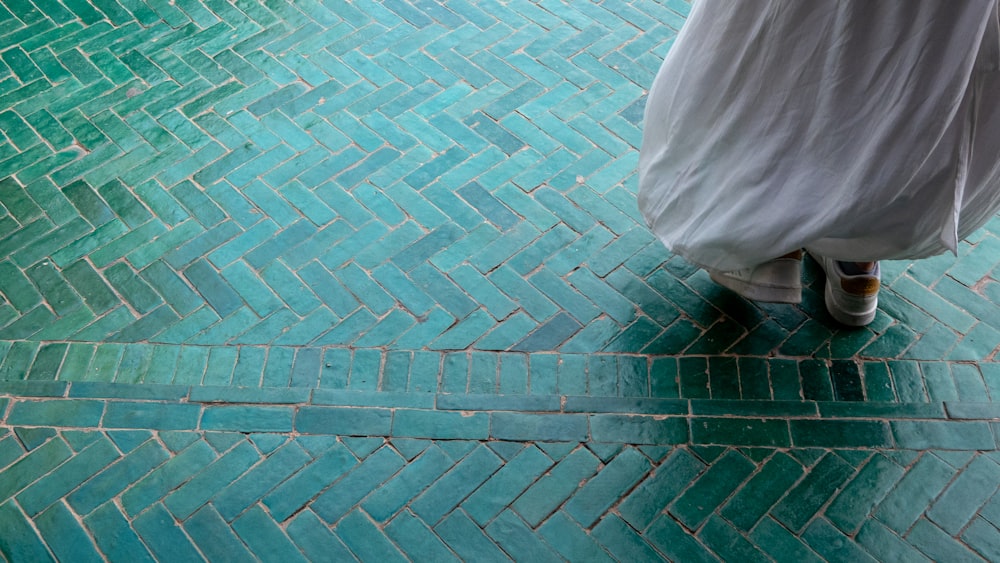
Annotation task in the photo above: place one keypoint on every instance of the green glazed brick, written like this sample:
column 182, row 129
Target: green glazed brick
column 938, row 545
column 21, row 541
column 982, row 537
column 298, row 490
column 363, row 537
column 214, row 537
column 830, row 544
column 882, row 410
column 416, row 539
column 227, row 394
column 781, row 544
column 540, row 427
column 221, row 362
column 14, row 197
column 877, row 381
column 619, row 539
column 232, row 499
column 816, row 381
column 960, row 502
column 161, row 365
column 663, row 378
column 840, row 434
column 89, row 203
column 55, row 412
column 571, row 541
column 28, row 325
column 247, row 419
column 756, row 498
column 724, row 540
column 694, row 376
column 27, row 470
column 18, row 290
column 80, row 247
column 315, row 539
column 113, row 535
column 47, row 362
column 959, row 435
column 134, row 362
column 558, row 484
column 366, row 368
column 68, row 476
column 466, row 538
column 213, row 288
column 641, row 506
column 440, row 425
column 750, row 408
column 921, row 483
column 147, row 392
column 139, row 294
column 603, row 490
column 21, row 64
column 638, row 429
column 970, row 383
column 740, row 431
column 623, row 405
column 485, row 402
column 344, row 421
column 17, row 360
column 91, row 286
column 851, row 507
column 185, row 500
column 447, row 492
column 711, row 489
column 387, row 399
column 671, row 539
column 884, row 544
column 978, row 344
column 803, row 501
column 483, row 376
column 506, row 485
column 372, row 474
column 152, row 415
column 396, row 371
column 117, row 477
column 973, row 411
column 22, row 388
column 163, row 536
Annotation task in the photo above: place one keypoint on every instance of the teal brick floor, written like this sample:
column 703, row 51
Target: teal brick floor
column 335, row 280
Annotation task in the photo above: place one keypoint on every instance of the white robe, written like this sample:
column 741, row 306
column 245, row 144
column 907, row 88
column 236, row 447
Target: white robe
column 863, row 129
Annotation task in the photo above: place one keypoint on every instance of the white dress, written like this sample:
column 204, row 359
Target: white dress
column 864, row 129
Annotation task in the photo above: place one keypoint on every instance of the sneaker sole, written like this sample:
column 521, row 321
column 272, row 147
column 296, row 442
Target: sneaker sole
column 757, row 292
column 844, row 317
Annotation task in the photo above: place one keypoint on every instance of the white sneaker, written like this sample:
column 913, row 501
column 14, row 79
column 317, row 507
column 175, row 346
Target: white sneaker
column 851, row 299
column 777, row 281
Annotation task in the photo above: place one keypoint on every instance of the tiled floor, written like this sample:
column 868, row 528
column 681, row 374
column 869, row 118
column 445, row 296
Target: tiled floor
column 333, row 279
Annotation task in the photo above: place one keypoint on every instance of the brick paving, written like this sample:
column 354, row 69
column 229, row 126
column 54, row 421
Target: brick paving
column 334, row 280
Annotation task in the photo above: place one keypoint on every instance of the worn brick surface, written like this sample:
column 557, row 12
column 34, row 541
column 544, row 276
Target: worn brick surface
column 310, row 280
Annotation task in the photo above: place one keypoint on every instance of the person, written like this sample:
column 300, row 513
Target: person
column 859, row 131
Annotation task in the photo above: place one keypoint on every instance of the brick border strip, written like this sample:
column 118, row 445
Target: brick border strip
column 507, row 373
column 947, row 425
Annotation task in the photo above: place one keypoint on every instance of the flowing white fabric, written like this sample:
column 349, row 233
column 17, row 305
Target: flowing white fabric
column 864, row 129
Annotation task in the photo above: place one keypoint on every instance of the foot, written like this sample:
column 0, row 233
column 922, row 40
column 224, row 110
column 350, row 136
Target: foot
column 851, row 298
column 776, row 281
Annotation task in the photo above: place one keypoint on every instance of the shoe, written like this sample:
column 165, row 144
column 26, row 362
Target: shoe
column 851, row 299
column 776, row 281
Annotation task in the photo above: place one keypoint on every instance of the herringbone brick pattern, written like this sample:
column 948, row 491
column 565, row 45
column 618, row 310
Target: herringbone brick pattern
column 327, row 279
column 144, row 495
column 326, row 173
column 414, row 176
